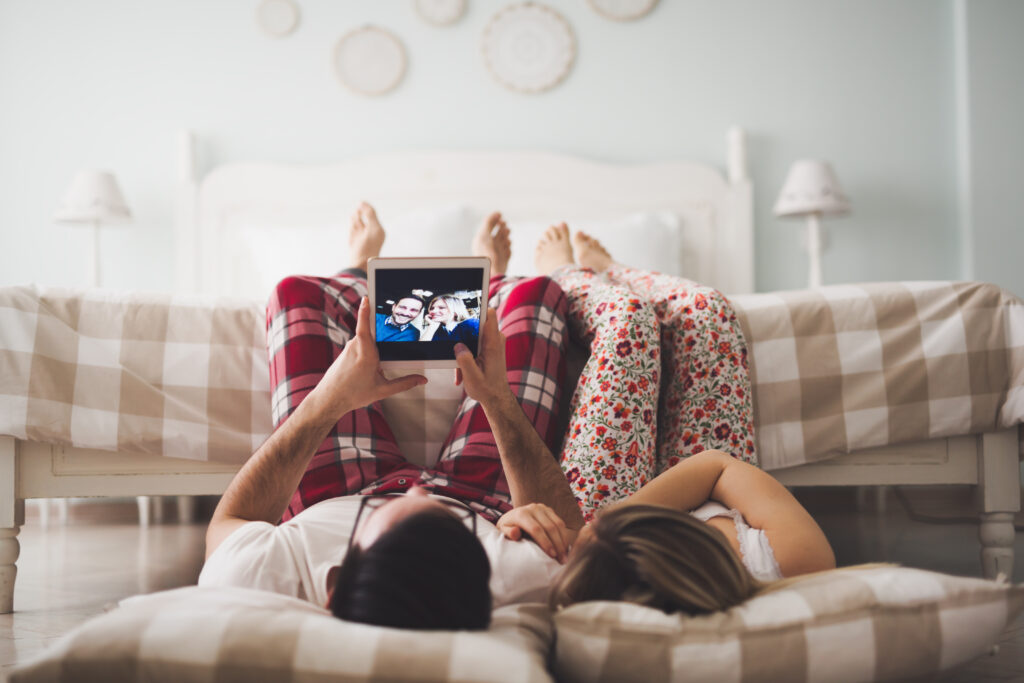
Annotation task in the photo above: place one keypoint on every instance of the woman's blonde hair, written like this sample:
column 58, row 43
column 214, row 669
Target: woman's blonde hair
column 658, row 557
column 456, row 305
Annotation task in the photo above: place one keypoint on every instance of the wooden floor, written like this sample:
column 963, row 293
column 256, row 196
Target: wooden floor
column 71, row 572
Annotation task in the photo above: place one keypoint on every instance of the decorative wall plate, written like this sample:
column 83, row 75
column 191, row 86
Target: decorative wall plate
column 369, row 60
column 277, row 18
column 623, row 10
column 528, row 47
column 440, row 12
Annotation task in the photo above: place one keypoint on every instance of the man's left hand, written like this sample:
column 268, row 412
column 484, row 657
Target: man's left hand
column 355, row 378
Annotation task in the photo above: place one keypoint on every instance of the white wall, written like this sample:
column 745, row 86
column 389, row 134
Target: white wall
column 995, row 159
column 867, row 84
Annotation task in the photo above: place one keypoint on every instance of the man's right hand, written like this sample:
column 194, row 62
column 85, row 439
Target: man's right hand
column 484, row 377
column 543, row 525
column 355, row 378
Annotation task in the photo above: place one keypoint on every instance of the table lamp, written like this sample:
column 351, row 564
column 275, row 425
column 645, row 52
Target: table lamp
column 811, row 190
column 94, row 198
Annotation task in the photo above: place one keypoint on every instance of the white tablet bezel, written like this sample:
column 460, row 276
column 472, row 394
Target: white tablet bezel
column 440, row 263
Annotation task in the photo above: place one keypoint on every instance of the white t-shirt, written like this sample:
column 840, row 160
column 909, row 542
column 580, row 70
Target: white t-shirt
column 293, row 558
column 755, row 550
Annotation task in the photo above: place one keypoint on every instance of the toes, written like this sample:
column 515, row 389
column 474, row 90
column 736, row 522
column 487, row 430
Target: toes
column 487, row 228
column 368, row 214
column 491, row 221
column 556, row 232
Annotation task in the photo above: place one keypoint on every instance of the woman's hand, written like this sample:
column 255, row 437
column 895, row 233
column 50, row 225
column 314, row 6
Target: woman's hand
column 542, row 525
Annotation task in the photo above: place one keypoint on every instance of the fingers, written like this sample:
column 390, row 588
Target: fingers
column 542, row 525
column 539, row 534
column 467, row 367
column 491, row 324
column 545, row 528
column 558, row 532
column 363, row 320
column 458, row 377
column 490, row 335
column 563, row 536
column 400, row 384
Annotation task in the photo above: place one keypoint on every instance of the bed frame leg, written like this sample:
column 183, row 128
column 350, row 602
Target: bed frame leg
column 999, row 487
column 12, row 516
column 186, row 509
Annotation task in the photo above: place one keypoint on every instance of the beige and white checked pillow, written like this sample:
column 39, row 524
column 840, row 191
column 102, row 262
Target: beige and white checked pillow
column 237, row 634
column 857, row 624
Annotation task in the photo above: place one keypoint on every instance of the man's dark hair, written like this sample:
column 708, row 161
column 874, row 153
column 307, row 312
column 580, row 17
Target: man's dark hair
column 423, row 302
column 428, row 572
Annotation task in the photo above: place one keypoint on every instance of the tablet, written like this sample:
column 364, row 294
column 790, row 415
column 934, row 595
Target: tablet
column 423, row 307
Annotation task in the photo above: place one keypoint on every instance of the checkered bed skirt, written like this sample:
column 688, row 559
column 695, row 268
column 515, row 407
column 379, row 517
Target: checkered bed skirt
column 834, row 370
column 847, row 367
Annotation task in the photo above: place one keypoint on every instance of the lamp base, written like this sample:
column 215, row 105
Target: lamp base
column 94, row 256
column 814, row 249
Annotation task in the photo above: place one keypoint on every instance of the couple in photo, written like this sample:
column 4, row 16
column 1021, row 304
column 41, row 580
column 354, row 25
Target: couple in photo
column 444, row 318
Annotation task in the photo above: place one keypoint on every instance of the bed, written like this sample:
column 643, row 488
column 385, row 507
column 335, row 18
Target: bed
column 182, row 424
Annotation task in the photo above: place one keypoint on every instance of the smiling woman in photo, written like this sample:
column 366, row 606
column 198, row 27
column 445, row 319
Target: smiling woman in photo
column 448, row 319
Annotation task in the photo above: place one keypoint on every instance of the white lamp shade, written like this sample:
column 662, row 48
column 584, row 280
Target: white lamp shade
column 94, row 197
column 811, row 187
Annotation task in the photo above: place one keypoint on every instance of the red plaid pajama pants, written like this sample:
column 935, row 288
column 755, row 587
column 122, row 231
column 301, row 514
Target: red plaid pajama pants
column 309, row 320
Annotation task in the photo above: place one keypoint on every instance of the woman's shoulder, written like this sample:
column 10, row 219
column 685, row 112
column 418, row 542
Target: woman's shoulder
column 467, row 329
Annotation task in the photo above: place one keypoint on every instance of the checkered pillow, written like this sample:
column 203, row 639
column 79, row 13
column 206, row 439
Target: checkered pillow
column 858, row 624
column 203, row 634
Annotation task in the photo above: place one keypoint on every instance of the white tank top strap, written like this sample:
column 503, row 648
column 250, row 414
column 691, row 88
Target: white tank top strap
column 755, row 550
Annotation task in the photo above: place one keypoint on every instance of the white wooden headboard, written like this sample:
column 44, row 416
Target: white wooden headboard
column 215, row 210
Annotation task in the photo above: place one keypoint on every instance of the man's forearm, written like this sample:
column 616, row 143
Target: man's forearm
column 531, row 470
column 262, row 488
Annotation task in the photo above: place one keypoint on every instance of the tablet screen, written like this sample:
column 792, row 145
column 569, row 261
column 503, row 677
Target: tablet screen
column 421, row 313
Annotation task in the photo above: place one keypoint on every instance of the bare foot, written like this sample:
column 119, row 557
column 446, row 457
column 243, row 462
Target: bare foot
column 553, row 249
column 591, row 253
column 365, row 237
column 492, row 241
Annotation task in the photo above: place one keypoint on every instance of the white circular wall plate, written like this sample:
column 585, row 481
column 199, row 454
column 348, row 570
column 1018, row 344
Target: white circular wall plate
column 369, row 60
column 440, row 12
column 528, row 47
column 623, row 10
column 277, row 18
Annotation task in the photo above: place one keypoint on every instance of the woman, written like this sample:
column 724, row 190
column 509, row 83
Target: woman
column 704, row 536
column 709, row 530
column 448, row 319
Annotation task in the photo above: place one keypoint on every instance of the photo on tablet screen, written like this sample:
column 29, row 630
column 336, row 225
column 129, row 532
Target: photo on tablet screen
column 421, row 313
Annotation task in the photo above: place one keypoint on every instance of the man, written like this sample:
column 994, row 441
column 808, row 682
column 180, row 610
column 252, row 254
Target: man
column 398, row 326
column 408, row 560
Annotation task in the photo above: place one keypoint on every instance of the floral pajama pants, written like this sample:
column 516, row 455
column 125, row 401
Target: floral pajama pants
column 309, row 320
column 667, row 378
